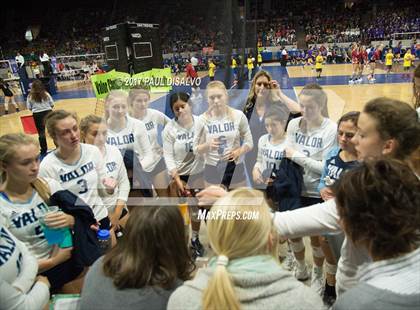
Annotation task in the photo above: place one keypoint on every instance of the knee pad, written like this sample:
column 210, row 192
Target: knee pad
column 297, row 246
column 317, row 251
column 330, row 269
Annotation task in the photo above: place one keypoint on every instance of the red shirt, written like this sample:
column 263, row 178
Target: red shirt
column 190, row 70
column 376, row 55
column 354, row 56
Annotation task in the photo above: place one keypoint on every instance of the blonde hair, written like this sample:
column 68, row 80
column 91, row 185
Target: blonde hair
column 251, row 94
column 237, row 238
column 221, row 86
column 8, row 145
column 132, row 95
column 112, row 95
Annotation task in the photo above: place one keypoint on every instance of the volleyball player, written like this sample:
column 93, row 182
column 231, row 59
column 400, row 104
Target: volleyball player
column 212, row 69
column 250, row 66
column 129, row 135
column 93, row 131
column 19, row 284
column 340, row 159
column 185, row 168
column 389, row 57
column 318, row 64
column 218, row 138
column 375, row 58
column 23, row 198
column 355, row 63
column 271, row 146
column 154, row 120
column 8, row 96
column 310, row 138
column 408, row 59
column 79, row 167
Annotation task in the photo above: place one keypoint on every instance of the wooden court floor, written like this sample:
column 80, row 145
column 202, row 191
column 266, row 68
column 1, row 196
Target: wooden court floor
column 341, row 98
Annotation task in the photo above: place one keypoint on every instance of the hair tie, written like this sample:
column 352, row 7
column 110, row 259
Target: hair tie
column 222, row 260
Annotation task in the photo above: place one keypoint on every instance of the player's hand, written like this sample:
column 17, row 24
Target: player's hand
column 43, row 280
column 61, row 255
column 110, row 185
column 213, row 144
column 59, row 220
column 257, row 176
column 326, row 193
column 289, row 152
column 210, row 195
column 233, row 155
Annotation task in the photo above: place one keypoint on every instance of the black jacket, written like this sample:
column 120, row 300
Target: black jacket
column 287, row 185
column 85, row 243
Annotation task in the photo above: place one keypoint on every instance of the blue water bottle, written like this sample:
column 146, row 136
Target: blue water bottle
column 104, row 239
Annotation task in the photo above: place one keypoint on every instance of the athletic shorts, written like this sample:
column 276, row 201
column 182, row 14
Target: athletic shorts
column 318, row 70
column 160, row 166
column 62, row 274
column 224, row 173
column 309, row 201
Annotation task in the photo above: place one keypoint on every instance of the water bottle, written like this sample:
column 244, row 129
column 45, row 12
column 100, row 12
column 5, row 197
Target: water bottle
column 222, row 145
column 104, row 238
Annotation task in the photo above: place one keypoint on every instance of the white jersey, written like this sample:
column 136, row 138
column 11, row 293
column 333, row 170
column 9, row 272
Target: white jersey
column 312, row 149
column 178, row 148
column 232, row 128
column 134, row 138
column 18, row 269
column 114, row 166
column 21, row 218
column 83, row 178
column 269, row 154
column 152, row 120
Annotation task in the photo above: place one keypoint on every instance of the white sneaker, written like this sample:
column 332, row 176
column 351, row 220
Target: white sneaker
column 301, row 273
column 317, row 280
column 351, row 82
column 289, row 261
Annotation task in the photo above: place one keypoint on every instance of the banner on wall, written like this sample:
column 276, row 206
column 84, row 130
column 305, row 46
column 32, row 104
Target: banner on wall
column 155, row 80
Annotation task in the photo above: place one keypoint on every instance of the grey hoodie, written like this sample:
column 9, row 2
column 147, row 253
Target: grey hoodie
column 275, row 290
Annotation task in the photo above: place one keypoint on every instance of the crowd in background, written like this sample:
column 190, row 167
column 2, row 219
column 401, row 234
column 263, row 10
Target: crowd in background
column 192, row 27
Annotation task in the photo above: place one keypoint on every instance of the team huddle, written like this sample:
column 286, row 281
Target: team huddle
column 290, row 153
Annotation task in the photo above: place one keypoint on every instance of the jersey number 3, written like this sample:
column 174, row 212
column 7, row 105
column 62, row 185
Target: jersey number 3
column 83, row 186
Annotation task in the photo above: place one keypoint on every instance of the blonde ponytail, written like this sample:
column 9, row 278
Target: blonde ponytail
column 233, row 239
column 220, row 293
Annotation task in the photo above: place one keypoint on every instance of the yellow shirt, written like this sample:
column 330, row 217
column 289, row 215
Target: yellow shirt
column 250, row 64
column 212, row 68
column 234, row 65
column 319, row 59
column 259, row 57
column 407, row 59
column 388, row 59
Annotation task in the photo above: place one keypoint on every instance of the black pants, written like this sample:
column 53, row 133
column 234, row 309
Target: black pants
column 39, row 119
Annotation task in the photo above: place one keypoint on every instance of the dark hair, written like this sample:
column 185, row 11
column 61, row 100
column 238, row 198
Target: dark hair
column 38, row 92
column 178, row 96
column 352, row 116
column 53, row 117
column 378, row 202
column 278, row 113
column 415, row 92
column 396, row 120
column 319, row 96
column 153, row 251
